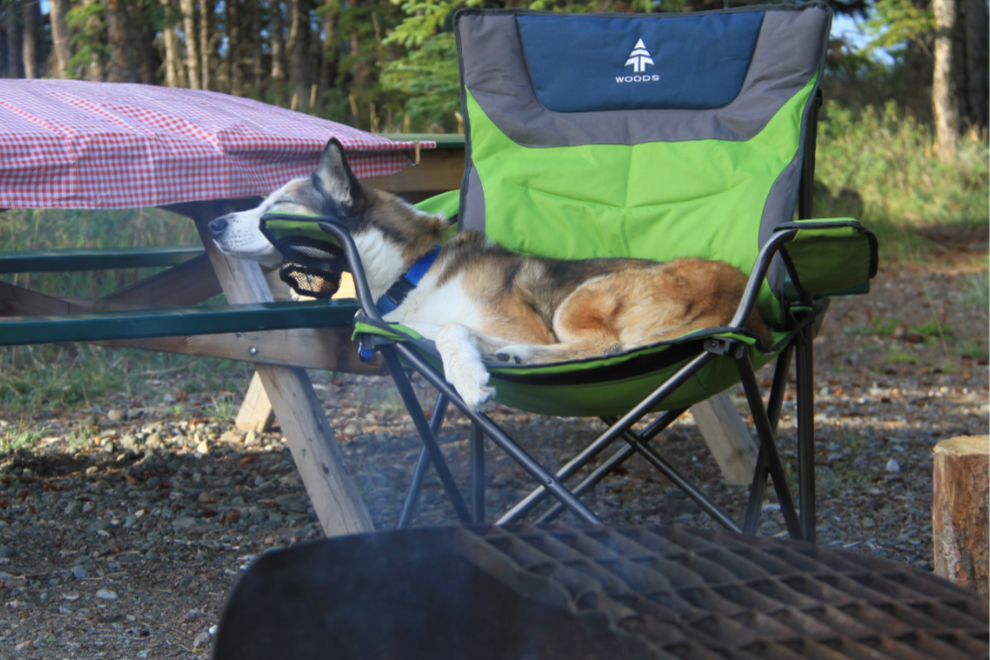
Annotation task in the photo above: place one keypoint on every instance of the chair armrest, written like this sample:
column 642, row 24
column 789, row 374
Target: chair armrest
column 830, row 257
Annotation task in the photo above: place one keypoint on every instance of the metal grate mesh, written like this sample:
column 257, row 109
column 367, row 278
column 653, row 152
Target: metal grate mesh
column 675, row 593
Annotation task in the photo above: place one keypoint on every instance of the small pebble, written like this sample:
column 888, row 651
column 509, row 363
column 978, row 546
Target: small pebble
column 202, row 640
column 78, row 572
column 106, row 594
column 116, row 415
column 893, row 466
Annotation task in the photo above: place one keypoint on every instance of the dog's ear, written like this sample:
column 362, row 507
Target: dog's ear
column 334, row 176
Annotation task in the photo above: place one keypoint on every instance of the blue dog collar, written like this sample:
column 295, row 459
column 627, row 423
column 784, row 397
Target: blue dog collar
column 409, row 281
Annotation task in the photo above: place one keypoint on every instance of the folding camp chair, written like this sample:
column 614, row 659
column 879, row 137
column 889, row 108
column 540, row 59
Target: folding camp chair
column 651, row 136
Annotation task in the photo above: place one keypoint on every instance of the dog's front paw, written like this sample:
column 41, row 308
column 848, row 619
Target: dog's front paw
column 517, row 353
column 471, row 383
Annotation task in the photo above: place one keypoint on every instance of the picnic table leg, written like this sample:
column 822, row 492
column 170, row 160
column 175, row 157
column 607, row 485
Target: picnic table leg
column 331, row 488
column 727, row 437
column 256, row 413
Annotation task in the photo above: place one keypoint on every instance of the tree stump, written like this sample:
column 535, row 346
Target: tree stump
column 960, row 510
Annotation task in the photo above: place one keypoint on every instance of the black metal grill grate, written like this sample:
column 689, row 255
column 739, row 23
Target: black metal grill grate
column 675, row 593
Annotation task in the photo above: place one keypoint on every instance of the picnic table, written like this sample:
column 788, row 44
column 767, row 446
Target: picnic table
column 83, row 145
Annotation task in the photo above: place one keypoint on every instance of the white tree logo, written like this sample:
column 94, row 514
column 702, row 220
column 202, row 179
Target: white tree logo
column 639, row 57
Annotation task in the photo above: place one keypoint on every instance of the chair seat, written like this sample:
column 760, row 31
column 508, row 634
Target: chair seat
column 601, row 386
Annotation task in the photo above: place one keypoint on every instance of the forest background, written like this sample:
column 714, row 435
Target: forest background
column 390, row 65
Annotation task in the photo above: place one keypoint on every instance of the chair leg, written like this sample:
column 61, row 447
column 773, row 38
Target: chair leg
column 477, row 474
column 611, row 434
column 423, row 427
column 422, row 465
column 768, row 445
column 493, row 431
column 613, row 461
column 774, row 404
column 806, row 433
column 666, row 469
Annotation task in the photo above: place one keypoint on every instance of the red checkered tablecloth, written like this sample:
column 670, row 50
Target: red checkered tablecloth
column 74, row 144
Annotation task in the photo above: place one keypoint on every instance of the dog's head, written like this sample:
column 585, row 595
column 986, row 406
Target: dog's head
column 332, row 190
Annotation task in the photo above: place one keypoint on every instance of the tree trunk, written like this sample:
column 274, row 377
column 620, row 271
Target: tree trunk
column 960, row 486
column 278, row 50
column 976, row 68
column 192, row 52
column 143, row 59
column 117, row 32
column 15, row 41
column 328, row 63
column 299, row 70
column 234, row 47
column 206, row 43
column 944, row 101
column 94, row 70
column 61, row 44
column 32, row 39
column 3, row 45
column 254, row 57
column 171, row 43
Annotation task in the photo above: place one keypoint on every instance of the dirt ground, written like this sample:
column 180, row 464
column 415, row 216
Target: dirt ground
column 125, row 545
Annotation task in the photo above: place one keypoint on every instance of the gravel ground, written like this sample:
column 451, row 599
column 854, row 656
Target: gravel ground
column 124, row 527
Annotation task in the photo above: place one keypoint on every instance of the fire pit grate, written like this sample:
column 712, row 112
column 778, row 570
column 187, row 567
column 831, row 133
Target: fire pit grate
column 675, row 593
column 591, row 593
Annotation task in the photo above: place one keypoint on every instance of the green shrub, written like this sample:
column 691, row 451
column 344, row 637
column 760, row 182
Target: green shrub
column 879, row 163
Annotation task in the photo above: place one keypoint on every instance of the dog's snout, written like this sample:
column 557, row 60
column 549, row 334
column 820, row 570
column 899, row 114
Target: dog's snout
column 218, row 226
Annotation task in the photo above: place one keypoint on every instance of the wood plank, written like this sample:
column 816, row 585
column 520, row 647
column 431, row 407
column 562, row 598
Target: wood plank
column 730, row 442
column 960, row 488
column 187, row 284
column 256, row 413
column 311, row 348
column 332, row 490
column 438, row 171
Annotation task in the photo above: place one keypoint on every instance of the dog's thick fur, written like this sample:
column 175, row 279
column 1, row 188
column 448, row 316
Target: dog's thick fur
column 478, row 299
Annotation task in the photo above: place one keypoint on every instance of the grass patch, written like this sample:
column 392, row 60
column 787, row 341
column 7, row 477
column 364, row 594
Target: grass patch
column 977, row 292
column 831, row 482
column 925, row 333
column 46, row 229
column 224, row 408
column 62, row 376
column 15, row 440
column 901, row 357
column 877, row 165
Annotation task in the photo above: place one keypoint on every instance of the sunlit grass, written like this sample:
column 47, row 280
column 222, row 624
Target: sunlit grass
column 877, row 165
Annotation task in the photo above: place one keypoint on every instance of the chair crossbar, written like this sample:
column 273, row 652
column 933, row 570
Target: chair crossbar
column 768, row 443
column 497, row 435
column 478, row 473
column 583, row 458
column 425, row 431
column 806, row 432
column 774, row 404
column 615, row 431
column 620, row 456
column 423, row 464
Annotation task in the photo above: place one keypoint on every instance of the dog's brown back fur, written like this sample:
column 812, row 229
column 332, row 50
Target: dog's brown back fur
column 591, row 307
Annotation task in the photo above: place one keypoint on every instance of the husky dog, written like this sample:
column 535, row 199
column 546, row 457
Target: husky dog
column 478, row 299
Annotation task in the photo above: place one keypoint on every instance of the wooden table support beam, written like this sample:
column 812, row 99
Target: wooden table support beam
column 331, row 488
